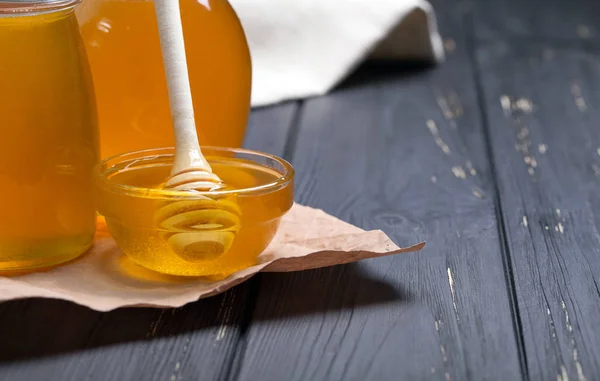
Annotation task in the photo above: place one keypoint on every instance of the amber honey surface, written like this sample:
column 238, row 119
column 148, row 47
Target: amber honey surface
column 121, row 38
column 48, row 141
column 131, row 218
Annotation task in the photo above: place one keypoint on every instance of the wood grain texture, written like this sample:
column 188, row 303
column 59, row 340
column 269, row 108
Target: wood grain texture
column 404, row 152
column 270, row 128
column 543, row 115
column 573, row 22
column 52, row 340
column 55, row 340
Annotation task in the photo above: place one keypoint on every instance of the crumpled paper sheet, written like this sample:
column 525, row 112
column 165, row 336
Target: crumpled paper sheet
column 105, row 279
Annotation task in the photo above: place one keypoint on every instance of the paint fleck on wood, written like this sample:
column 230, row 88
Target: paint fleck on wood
column 523, row 133
column 175, row 371
column 530, row 161
column 563, row 375
column 444, row 360
column 567, row 321
column 443, row 104
column 552, row 326
column 523, row 145
column 225, row 314
column 455, row 105
column 221, row 332
column 506, row 104
column 524, row 105
column 470, row 168
column 453, row 294
column 580, row 375
column 450, row 106
column 579, row 101
column 432, row 126
column 459, row 172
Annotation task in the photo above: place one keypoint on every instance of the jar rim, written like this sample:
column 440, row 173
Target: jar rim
column 15, row 7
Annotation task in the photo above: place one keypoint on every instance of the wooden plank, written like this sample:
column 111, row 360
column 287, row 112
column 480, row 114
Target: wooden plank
column 269, row 128
column 543, row 115
column 52, row 340
column 572, row 22
column 404, row 153
column 55, row 340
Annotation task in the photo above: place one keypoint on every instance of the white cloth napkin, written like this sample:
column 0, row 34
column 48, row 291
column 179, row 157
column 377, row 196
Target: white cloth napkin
column 303, row 48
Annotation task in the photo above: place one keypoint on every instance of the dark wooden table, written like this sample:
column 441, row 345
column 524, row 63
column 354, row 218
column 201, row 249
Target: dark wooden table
column 492, row 157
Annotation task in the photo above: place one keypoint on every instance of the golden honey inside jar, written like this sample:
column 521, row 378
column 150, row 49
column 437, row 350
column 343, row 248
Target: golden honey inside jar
column 48, row 136
column 189, row 233
column 122, row 42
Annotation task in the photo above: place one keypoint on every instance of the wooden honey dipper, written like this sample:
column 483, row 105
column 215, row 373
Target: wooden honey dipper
column 204, row 228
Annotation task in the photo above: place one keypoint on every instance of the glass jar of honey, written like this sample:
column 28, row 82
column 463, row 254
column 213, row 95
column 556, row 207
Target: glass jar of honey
column 49, row 144
column 121, row 38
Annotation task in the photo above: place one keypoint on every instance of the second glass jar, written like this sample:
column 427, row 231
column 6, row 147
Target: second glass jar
column 121, row 39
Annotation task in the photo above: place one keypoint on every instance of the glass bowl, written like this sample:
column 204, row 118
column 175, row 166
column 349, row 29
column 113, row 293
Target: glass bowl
column 189, row 233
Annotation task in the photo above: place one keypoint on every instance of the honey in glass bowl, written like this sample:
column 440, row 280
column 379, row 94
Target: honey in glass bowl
column 259, row 188
column 122, row 42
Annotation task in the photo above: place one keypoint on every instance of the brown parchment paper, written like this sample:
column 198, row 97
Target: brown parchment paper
column 105, row 279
